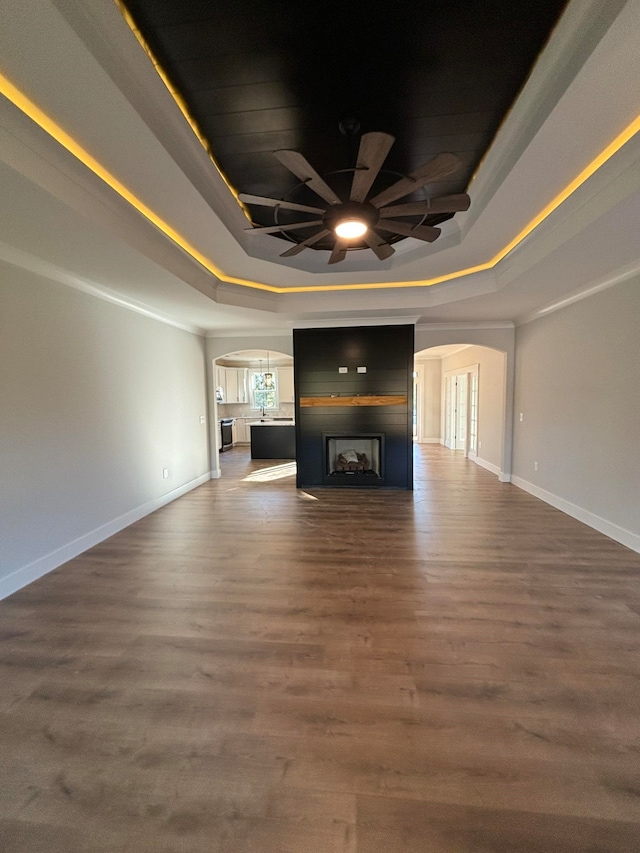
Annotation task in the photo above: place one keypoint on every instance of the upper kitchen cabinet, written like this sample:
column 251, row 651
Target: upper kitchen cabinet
column 220, row 383
column 236, row 385
column 231, row 384
column 285, row 379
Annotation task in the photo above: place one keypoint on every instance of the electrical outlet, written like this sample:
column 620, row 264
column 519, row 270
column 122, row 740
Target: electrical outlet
column 521, row 416
column 202, row 419
column 535, row 466
column 343, row 370
column 479, row 445
column 165, row 473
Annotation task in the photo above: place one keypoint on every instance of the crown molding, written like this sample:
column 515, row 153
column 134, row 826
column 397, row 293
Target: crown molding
column 26, row 261
column 619, row 277
column 452, row 327
column 328, row 323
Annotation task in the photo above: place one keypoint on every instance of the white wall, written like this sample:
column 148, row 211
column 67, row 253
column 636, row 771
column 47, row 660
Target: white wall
column 578, row 388
column 429, row 370
column 95, row 401
column 491, row 400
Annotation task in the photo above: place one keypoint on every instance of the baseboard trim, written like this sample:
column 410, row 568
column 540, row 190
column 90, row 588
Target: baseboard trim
column 489, row 466
column 484, row 464
column 430, row 441
column 215, row 475
column 613, row 531
column 32, row 571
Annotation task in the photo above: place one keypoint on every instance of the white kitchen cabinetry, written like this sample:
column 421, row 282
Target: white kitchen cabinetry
column 236, row 384
column 242, row 374
column 233, row 381
column 221, row 383
column 240, row 431
column 232, row 385
column 285, row 378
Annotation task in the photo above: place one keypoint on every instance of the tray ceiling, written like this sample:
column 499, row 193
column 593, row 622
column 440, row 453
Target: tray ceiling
column 259, row 76
column 109, row 190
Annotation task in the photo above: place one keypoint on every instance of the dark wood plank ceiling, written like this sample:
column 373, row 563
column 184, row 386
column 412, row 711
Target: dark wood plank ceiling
column 259, row 75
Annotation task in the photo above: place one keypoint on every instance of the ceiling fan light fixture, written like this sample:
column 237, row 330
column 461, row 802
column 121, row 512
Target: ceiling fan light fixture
column 351, row 229
column 357, row 219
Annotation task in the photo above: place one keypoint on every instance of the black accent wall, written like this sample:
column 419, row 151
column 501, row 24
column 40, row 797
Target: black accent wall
column 387, row 353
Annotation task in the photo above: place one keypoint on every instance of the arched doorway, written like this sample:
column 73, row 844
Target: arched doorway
column 464, row 393
column 248, row 385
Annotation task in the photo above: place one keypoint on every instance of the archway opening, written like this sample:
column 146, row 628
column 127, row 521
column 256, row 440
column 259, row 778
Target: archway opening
column 250, row 386
column 460, row 402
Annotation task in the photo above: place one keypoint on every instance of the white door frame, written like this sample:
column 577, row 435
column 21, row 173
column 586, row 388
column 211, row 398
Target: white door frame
column 449, row 410
column 419, row 391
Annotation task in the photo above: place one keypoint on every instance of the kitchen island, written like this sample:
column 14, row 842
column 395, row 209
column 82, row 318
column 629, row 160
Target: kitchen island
column 273, row 439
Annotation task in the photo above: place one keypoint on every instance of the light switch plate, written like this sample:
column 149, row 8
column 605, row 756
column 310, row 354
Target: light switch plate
column 343, row 370
column 362, row 370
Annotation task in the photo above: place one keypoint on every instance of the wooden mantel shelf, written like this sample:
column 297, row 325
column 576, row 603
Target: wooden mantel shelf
column 358, row 400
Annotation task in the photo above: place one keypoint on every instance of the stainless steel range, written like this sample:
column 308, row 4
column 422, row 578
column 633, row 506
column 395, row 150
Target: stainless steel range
column 226, row 433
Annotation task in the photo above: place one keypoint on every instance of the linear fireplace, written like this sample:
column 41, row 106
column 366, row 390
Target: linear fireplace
column 353, row 459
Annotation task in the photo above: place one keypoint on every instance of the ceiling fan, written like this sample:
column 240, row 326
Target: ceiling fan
column 359, row 219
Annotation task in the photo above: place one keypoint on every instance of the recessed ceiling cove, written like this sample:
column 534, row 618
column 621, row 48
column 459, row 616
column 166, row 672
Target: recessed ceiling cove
column 330, row 87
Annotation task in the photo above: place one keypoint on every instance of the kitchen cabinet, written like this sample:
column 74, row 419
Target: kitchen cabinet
column 233, row 381
column 240, row 436
column 231, row 376
column 241, row 385
column 220, row 383
column 236, row 378
column 285, row 379
column 273, row 439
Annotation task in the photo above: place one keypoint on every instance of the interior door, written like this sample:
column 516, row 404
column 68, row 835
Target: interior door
column 461, row 412
column 456, row 411
column 449, row 411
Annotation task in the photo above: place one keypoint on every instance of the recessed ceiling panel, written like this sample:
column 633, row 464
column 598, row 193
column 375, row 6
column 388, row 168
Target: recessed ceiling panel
column 260, row 75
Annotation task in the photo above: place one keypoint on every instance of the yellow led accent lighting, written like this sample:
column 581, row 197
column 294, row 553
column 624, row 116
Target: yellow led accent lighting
column 69, row 143
column 177, row 97
column 628, row 133
column 23, row 103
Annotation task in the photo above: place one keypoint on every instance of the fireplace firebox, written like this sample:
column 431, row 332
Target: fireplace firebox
column 354, row 458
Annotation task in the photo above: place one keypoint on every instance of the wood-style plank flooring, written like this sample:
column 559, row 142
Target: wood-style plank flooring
column 254, row 669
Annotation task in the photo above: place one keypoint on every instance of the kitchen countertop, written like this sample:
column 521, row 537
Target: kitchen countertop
column 269, row 423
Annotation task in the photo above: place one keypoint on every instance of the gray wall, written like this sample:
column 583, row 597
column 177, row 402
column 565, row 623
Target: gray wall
column 578, row 389
column 95, row 401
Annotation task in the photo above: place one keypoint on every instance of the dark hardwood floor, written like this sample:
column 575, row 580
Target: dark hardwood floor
column 253, row 669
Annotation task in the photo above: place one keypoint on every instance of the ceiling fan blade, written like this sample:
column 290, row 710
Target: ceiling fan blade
column 301, row 168
column 422, row 232
column 444, row 204
column 274, row 202
column 372, row 153
column 273, row 229
column 339, row 252
column 299, row 247
column 374, row 241
column 434, row 170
